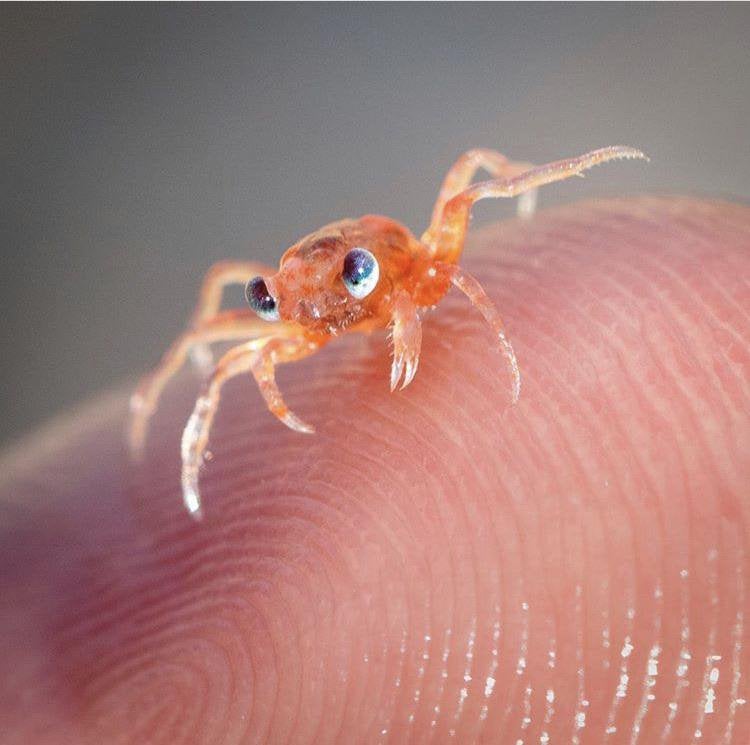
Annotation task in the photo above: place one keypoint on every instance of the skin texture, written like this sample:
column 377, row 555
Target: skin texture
column 434, row 565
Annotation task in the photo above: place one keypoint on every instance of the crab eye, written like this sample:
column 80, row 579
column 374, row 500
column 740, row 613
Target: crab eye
column 261, row 300
column 361, row 272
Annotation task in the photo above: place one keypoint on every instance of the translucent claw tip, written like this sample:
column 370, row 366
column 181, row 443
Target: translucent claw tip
column 298, row 425
column 411, row 371
column 624, row 151
column 396, row 369
column 191, row 497
column 515, row 373
column 516, row 395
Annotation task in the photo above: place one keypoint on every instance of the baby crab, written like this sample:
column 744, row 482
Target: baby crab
column 351, row 275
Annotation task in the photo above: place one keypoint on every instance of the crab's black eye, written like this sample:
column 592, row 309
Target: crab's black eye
column 361, row 272
column 261, row 300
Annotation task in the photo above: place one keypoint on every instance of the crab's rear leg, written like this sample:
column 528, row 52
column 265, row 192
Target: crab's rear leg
column 447, row 238
column 479, row 299
column 259, row 357
column 220, row 276
column 233, row 325
column 461, row 174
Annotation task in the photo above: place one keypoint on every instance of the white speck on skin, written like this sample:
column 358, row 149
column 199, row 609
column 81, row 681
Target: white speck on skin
column 710, row 698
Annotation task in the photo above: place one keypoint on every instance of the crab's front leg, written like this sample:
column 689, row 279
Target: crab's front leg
column 462, row 280
column 259, row 357
column 230, row 325
column 406, row 329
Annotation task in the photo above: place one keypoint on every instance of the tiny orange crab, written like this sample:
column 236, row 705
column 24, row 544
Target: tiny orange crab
column 352, row 275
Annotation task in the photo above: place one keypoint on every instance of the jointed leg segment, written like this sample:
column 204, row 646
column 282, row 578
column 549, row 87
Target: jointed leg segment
column 447, row 231
column 479, row 299
column 259, row 357
column 447, row 238
column 234, row 325
column 461, row 174
column 220, row 276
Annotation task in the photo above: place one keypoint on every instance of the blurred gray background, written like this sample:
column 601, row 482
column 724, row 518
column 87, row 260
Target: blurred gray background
column 140, row 143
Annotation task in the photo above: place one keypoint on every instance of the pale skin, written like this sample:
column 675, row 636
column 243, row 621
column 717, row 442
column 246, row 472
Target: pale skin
column 351, row 275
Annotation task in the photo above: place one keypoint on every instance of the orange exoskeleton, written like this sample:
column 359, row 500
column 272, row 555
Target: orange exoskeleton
column 352, row 275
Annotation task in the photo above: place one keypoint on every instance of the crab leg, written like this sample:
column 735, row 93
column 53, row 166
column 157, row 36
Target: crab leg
column 407, row 340
column 220, row 276
column 465, row 282
column 461, row 173
column 448, row 239
column 260, row 357
column 231, row 325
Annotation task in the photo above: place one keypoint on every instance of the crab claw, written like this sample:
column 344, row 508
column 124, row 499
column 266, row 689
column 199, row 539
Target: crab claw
column 407, row 342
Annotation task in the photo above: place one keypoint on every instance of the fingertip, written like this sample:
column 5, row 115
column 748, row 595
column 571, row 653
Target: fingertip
column 395, row 571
